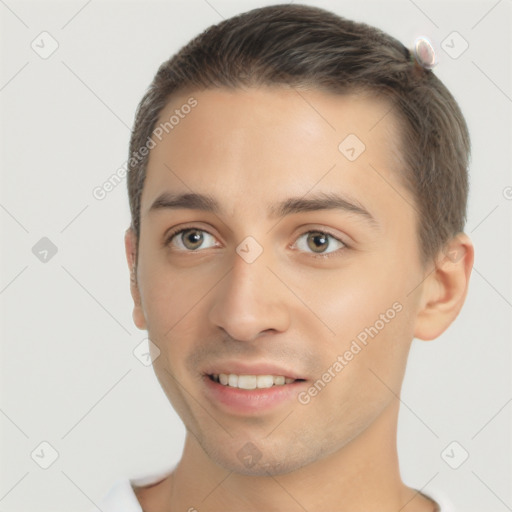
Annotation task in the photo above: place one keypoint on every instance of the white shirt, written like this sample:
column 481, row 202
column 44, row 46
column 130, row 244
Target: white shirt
column 121, row 497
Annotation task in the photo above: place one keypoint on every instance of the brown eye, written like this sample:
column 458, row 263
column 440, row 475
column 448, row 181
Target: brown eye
column 189, row 239
column 318, row 242
column 192, row 238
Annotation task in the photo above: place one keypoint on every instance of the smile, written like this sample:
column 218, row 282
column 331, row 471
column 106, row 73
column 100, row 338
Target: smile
column 250, row 381
column 250, row 394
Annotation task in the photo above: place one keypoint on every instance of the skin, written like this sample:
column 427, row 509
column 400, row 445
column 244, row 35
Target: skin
column 250, row 149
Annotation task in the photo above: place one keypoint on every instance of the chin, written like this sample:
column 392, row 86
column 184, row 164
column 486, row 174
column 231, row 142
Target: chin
column 245, row 458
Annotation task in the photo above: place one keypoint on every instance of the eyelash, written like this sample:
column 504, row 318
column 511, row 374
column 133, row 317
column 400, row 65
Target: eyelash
column 337, row 252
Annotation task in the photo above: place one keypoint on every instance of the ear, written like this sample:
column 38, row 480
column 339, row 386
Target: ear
column 130, row 244
column 444, row 290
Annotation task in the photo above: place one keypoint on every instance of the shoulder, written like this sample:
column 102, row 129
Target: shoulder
column 154, row 497
column 141, row 494
column 439, row 498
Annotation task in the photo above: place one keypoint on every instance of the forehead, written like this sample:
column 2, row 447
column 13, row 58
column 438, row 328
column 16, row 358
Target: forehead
column 262, row 144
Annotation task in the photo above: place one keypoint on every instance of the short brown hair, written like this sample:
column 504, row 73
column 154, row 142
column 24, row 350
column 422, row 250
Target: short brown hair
column 303, row 46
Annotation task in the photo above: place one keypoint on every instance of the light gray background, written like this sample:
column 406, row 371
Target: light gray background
column 68, row 373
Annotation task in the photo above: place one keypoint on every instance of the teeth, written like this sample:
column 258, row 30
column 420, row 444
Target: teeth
column 251, row 381
column 246, row 381
column 279, row 381
column 265, row 381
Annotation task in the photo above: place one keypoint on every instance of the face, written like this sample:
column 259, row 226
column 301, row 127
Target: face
column 268, row 279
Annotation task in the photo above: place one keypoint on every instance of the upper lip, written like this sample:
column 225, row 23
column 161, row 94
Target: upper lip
column 239, row 368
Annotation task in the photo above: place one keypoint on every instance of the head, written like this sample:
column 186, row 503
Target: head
column 270, row 115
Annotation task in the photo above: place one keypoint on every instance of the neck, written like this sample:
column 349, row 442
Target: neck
column 361, row 476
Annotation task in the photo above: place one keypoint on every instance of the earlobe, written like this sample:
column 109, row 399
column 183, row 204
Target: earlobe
column 444, row 290
column 130, row 243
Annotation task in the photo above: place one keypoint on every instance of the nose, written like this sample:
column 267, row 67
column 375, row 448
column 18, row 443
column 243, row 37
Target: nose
column 250, row 301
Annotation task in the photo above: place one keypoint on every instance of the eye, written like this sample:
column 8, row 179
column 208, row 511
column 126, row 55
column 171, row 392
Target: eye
column 317, row 241
column 189, row 239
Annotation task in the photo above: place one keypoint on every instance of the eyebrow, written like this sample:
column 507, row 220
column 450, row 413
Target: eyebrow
column 315, row 202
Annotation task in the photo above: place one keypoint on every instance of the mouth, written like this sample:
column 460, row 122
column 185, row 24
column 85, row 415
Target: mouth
column 249, row 382
column 253, row 394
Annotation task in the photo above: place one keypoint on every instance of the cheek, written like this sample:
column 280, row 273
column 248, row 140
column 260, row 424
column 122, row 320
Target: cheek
column 354, row 298
column 363, row 368
column 168, row 292
column 373, row 322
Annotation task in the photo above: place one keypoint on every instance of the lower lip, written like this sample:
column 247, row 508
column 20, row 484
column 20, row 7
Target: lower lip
column 249, row 401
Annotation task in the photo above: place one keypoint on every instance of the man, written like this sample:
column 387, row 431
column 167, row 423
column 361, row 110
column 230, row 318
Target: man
column 298, row 187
